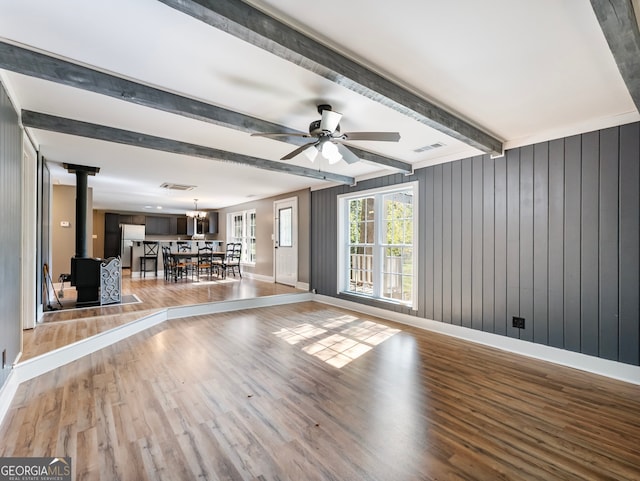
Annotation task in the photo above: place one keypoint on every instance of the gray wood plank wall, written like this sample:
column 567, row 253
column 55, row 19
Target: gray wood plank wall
column 550, row 232
column 10, row 220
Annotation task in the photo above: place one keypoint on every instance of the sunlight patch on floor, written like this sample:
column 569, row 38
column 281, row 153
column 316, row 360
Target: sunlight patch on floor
column 299, row 333
column 203, row 281
column 339, row 341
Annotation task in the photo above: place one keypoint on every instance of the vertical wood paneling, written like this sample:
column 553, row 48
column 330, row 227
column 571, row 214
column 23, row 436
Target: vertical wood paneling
column 608, row 245
column 467, row 241
column 556, row 243
column 421, row 175
column 446, row 242
column 513, row 239
column 549, row 232
column 572, row 245
column 326, row 288
column 488, row 245
column 10, row 220
column 316, row 240
column 476, row 244
column 589, row 232
column 629, row 260
column 526, row 241
column 500, row 270
column 456, row 243
column 428, row 244
column 325, row 232
column 540, row 242
column 437, row 242
column 318, row 244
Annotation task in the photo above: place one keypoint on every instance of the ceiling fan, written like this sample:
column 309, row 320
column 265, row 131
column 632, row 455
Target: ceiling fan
column 329, row 141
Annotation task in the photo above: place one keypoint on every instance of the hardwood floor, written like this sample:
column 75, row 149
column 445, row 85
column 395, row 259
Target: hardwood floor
column 310, row 392
column 63, row 327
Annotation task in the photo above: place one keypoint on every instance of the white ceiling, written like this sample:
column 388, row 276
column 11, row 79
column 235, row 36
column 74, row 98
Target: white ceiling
column 521, row 71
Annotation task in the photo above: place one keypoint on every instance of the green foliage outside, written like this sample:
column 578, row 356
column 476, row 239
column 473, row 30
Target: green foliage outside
column 397, row 232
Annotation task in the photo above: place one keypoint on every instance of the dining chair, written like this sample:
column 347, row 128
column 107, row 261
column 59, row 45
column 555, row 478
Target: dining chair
column 217, row 263
column 205, row 261
column 173, row 268
column 167, row 263
column 228, row 254
column 232, row 259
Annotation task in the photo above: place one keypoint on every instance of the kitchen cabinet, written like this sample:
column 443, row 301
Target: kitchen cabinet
column 157, row 225
column 111, row 235
column 181, row 226
column 213, row 223
column 136, row 219
column 125, row 219
column 111, row 222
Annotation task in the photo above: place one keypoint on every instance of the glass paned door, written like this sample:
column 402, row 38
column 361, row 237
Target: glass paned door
column 285, row 227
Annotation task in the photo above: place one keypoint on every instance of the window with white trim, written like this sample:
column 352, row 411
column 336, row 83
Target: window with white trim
column 377, row 244
column 241, row 227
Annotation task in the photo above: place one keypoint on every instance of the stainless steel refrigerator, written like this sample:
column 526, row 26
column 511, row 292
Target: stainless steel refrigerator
column 129, row 233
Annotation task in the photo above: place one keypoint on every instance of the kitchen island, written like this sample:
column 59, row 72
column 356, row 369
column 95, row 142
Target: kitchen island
column 137, row 251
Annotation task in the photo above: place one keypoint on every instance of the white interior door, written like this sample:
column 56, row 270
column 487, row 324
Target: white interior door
column 286, row 241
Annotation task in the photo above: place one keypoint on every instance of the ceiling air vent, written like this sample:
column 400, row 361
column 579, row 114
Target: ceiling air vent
column 172, row 186
column 437, row 145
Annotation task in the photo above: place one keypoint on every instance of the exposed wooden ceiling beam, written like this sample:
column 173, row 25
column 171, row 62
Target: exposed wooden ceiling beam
column 52, row 123
column 619, row 23
column 39, row 65
column 251, row 25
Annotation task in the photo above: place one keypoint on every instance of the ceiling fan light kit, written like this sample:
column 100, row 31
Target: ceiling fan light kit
column 311, row 153
column 330, row 143
column 331, row 153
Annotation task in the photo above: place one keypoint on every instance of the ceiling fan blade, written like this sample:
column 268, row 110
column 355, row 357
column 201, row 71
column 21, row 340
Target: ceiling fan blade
column 299, row 150
column 278, row 134
column 384, row 136
column 330, row 120
column 348, row 156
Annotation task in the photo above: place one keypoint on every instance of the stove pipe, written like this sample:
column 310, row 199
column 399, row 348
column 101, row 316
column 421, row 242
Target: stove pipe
column 81, row 172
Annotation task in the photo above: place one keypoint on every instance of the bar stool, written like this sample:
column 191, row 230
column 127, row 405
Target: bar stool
column 150, row 253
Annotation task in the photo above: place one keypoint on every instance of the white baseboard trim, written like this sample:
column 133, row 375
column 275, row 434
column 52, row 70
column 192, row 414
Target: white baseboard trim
column 595, row 365
column 302, row 285
column 258, row 277
column 7, row 393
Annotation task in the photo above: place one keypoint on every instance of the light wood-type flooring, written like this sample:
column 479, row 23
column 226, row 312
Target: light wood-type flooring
column 63, row 327
column 310, row 392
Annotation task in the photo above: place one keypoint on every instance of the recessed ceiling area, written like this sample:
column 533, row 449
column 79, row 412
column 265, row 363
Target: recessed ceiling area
column 519, row 73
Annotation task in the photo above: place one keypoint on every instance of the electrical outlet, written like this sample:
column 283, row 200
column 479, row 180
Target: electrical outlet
column 518, row 322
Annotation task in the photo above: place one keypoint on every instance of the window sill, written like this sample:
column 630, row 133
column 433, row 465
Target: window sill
column 381, row 300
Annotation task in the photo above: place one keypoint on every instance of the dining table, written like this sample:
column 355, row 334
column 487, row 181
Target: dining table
column 186, row 255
